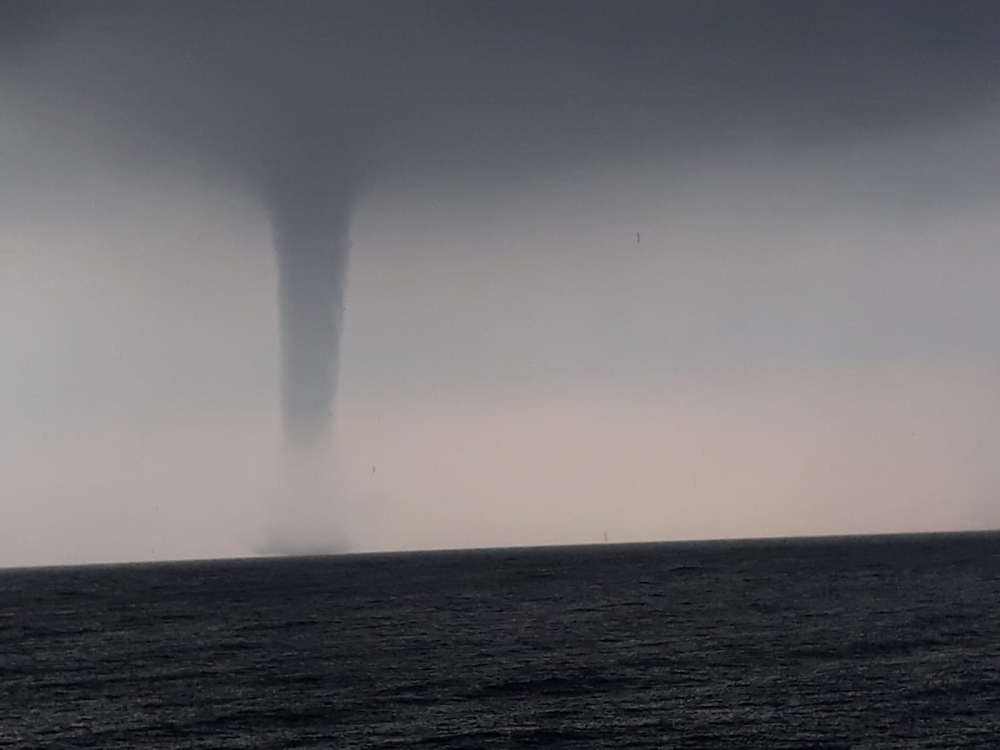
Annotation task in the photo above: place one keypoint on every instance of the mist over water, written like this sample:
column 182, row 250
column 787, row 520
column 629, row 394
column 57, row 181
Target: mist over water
column 306, row 512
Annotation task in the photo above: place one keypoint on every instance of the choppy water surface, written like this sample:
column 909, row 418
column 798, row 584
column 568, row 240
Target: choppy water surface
column 863, row 642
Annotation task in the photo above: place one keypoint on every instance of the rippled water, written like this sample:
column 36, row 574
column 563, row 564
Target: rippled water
column 862, row 642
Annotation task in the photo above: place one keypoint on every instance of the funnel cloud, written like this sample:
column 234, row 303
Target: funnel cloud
column 311, row 221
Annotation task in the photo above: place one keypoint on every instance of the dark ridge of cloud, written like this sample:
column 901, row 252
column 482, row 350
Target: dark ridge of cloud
column 519, row 85
column 23, row 22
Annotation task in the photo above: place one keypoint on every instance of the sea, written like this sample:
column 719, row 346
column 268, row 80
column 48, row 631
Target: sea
column 850, row 642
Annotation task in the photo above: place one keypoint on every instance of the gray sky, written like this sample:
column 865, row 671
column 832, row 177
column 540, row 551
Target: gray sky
column 801, row 343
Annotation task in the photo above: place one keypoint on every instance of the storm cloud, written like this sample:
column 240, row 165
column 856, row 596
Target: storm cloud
column 258, row 90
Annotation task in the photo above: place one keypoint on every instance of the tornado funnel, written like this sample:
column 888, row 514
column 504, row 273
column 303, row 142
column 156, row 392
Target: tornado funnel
column 310, row 220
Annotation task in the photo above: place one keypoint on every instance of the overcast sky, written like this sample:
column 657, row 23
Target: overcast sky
column 800, row 340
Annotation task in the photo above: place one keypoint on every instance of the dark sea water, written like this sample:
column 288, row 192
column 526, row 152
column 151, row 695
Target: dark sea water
column 858, row 642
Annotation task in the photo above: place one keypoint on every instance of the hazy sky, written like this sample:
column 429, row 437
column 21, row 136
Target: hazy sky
column 803, row 342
